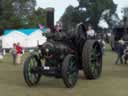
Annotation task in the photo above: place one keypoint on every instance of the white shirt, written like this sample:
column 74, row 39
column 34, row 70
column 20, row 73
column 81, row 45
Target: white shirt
column 109, row 34
column 91, row 33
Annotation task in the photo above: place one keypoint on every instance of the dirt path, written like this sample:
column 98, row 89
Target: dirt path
column 113, row 82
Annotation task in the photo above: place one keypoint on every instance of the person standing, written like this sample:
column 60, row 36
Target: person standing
column 125, row 55
column 120, row 51
column 90, row 32
column 19, row 53
column 13, row 53
column 58, row 27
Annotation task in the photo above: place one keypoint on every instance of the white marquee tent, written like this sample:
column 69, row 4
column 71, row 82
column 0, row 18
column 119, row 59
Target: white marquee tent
column 25, row 40
column 34, row 39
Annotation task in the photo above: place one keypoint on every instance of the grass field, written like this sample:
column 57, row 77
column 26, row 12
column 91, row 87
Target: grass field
column 113, row 81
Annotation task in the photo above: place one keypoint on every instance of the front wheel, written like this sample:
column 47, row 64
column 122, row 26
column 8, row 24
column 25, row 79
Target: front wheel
column 70, row 71
column 30, row 77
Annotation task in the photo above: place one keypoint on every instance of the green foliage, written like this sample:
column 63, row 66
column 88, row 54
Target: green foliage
column 67, row 18
column 16, row 14
column 40, row 15
column 94, row 10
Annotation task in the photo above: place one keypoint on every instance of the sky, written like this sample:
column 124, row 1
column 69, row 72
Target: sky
column 121, row 4
column 61, row 5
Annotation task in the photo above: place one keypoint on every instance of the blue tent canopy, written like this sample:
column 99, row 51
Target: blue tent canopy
column 25, row 31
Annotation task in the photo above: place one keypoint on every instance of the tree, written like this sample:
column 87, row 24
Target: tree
column 1, row 8
column 40, row 16
column 125, row 19
column 17, row 13
column 92, row 14
column 24, row 9
column 67, row 18
column 95, row 8
column 125, row 11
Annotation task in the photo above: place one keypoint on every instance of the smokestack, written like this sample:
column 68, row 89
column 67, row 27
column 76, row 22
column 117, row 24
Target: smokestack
column 50, row 18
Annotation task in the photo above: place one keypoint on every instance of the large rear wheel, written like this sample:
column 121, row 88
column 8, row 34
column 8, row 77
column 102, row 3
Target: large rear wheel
column 92, row 59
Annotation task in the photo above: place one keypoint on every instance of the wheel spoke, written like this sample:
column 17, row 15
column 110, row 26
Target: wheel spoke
column 95, row 60
column 32, row 76
column 95, row 55
column 72, row 70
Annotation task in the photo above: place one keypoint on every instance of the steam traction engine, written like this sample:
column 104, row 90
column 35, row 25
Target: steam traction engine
column 62, row 56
